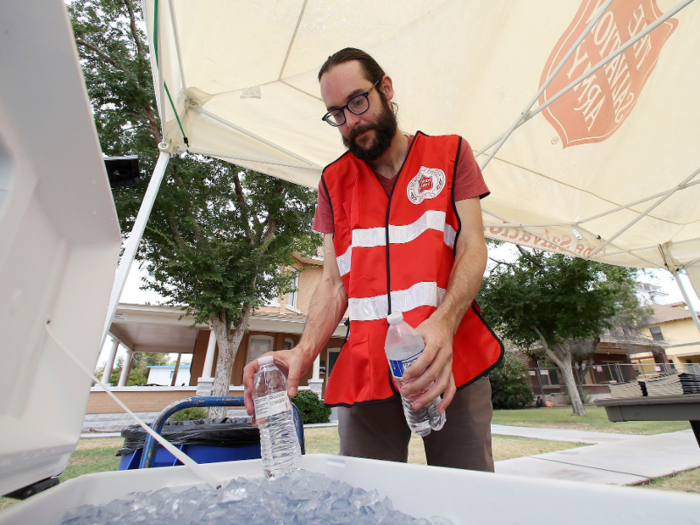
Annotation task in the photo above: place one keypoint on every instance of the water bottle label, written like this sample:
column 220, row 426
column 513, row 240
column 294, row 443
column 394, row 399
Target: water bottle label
column 398, row 367
column 271, row 404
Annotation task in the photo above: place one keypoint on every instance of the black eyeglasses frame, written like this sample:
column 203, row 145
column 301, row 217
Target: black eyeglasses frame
column 327, row 116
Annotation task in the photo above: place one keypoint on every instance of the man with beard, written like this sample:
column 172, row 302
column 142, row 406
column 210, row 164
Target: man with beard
column 402, row 231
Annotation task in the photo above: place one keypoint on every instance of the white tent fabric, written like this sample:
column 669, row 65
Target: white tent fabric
column 608, row 171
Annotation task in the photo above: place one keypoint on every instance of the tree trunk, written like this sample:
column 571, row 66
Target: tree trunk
column 560, row 355
column 571, row 386
column 228, row 348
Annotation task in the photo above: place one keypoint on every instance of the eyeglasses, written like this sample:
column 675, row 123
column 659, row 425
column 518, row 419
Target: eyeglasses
column 356, row 105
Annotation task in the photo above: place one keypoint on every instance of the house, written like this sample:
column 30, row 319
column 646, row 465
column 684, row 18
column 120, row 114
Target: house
column 668, row 342
column 163, row 375
column 672, row 326
column 150, row 328
column 621, row 355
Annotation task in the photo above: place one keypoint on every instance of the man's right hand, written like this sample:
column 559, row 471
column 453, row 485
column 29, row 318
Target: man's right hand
column 293, row 363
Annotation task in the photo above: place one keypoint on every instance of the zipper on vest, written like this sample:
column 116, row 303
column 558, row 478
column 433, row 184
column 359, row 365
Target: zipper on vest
column 386, row 223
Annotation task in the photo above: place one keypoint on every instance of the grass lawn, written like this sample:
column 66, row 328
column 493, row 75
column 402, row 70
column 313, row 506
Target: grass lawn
column 688, row 481
column 325, row 441
column 594, row 421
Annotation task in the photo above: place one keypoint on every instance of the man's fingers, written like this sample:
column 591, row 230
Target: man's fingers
column 427, row 357
column 293, row 379
column 447, row 397
column 430, row 374
column 248, row 380
column 439, row 387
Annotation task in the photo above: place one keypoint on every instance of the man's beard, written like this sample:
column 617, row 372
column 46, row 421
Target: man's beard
column 384, row 130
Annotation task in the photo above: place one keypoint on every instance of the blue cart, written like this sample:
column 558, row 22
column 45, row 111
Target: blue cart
column 156, row 456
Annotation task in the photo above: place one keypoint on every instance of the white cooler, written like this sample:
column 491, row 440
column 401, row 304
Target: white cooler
column 59, row 246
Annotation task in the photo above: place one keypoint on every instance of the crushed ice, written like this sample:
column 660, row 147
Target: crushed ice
column 298, row 498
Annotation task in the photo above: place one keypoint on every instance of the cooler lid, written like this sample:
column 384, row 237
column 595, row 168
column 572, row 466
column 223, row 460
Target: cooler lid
column 60, row 242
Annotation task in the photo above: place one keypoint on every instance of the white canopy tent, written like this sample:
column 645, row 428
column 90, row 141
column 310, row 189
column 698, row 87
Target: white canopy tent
column 584, row 114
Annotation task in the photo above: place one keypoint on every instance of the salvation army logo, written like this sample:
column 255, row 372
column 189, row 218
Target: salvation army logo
column 427, row 184
column 597, row 106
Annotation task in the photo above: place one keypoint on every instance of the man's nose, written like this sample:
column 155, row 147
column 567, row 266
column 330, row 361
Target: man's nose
column 351, row 120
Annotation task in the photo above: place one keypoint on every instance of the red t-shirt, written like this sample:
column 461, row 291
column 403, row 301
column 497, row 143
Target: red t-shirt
column 469, row 183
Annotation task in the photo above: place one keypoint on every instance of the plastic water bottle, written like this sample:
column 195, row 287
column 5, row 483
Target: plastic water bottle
column 403, row 346
column 279, row 444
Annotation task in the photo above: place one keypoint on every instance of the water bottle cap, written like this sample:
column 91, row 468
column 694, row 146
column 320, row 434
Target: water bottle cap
column 267, row 360
column 395, row 318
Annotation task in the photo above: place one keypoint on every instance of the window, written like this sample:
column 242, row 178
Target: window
column 288, row 344
column 656, row 333
column 258, row 345
column 292, row 297
column 269, row 301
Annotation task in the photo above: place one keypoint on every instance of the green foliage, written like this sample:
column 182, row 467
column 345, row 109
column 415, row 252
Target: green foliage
column 218, row 234
column 510, row 385
column 311, row 407
column 190, row 414
column 565, row 298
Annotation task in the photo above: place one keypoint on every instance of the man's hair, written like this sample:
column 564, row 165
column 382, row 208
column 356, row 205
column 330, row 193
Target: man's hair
column 371, row 69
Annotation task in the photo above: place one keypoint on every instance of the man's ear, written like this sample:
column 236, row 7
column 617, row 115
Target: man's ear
column 387, row 87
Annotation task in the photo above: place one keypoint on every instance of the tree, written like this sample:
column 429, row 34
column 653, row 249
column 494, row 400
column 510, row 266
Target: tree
column 510, row 384
column 219, row 237
column 556, row 301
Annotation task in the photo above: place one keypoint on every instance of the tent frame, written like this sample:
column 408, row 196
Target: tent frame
column 527, row 114
column 134, row 239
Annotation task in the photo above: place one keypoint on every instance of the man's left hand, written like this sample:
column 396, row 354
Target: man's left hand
column 433, row 366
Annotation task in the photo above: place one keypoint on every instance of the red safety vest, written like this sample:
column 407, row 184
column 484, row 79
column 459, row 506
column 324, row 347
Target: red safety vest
column 395, row 254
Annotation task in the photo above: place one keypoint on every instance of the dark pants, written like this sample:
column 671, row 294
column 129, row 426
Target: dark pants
column 379, row 431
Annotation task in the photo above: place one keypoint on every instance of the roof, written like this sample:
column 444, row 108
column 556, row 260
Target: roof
column 664, row 313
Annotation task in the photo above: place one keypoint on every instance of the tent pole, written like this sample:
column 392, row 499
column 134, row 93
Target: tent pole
column 592, row 70
column 614, row 54
column 665, row 250
column 173, row 24
column 525, row 114
column 647, row 211
column 687, row 298
column 635, row 203
column 134, row 240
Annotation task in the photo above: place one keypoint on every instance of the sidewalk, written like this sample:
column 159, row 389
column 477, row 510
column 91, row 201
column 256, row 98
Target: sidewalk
column 629, row 460
column 578, row 436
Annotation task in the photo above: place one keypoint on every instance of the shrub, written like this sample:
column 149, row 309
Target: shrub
column 510, row 385
column 311, row 407
column 189, row 414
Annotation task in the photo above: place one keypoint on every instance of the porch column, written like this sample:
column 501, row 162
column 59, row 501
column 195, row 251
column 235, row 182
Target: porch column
column 209, row 359
column 177, row 368
column 316, row 383
column 127, row 368
column 109, row 365
column 205, row 384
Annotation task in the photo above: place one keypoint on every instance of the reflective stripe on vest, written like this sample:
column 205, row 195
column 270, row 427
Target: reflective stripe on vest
column 373, row 237
column 373, row 308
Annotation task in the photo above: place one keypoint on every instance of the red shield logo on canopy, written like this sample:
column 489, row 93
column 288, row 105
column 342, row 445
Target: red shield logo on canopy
column 597, row 106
